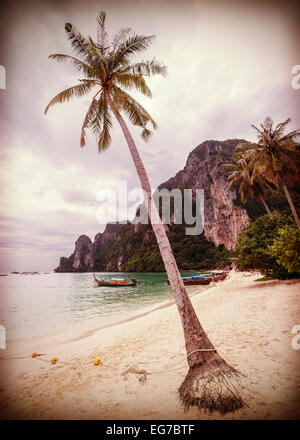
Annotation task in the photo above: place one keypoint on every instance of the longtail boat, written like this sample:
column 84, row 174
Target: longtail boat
column 220, row 276
column 116, row 282
column 204, row 278
column 194, row 281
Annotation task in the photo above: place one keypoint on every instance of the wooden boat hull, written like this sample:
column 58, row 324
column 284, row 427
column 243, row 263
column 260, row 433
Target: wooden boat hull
column 104, row 283
column 220, row 277
column 196, row 282
column 199, row 282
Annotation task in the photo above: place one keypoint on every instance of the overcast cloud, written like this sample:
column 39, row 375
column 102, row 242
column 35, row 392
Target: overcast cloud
column 228, row 67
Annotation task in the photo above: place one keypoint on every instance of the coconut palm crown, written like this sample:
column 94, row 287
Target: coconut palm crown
column 108, row 69
column 276, row 155
column 241, row 173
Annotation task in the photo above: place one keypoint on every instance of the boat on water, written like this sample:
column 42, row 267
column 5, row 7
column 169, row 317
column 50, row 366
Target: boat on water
column 204, row 278
column 220, row 276
column 195, row 280
column 116, row 282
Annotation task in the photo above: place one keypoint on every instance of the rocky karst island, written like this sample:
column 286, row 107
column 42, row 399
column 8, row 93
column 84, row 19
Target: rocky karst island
column 119, row 245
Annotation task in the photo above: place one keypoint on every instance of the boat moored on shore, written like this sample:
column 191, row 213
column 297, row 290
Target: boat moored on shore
column 116, row 282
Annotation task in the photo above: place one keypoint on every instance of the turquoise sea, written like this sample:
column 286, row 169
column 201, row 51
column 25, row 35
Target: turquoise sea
column 44, row 305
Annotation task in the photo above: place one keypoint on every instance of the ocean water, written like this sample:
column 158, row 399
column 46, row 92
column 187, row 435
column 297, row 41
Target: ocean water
column 40, row 306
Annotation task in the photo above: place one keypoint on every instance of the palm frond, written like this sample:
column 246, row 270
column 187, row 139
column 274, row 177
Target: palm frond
column 255, row 128
column 280, row 127
column 99, row 60
column 119, row 38
column 102, row 36
column 96, row 123
column 86, row 49
column 148, row 68
column 146, row 134
column 247, row 173
column 105, row 137
column 136, row 113
column 78, row 42
column 130, row 81
column 89, row 71
column 228, row 166
column 268, row 124
column 90, row 115
column 90, row 81
column 134, row 44
column 75, row 91
column 246, row 146
column 291, row 136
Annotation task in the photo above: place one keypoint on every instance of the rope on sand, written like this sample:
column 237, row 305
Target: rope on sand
column 33, row 355
column 97, row 361
column 53, row 361
column 141, row 374
column 145, row 373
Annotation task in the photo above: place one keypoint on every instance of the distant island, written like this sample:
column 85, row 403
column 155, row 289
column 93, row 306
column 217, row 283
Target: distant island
column 25, row 273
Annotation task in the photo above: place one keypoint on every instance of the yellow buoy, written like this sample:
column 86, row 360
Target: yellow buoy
column 34, row 355
column 54, row 360
column 96, row 361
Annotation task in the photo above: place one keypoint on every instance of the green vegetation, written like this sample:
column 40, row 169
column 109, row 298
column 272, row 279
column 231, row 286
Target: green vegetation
column 265, row 278
column 266, row 245
column 262, row 172
column 286, row 248
column 139, row 251
column 249, row 185
column 274, row 161
column 276, row 202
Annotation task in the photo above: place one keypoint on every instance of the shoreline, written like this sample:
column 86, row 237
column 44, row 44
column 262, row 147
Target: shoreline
column 141, row 314
column 22, row 347
column 249, row 323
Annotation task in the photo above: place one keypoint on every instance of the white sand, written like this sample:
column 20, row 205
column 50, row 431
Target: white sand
column 249, row 323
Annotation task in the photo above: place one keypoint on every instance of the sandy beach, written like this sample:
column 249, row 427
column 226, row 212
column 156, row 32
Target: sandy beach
column 249, row 323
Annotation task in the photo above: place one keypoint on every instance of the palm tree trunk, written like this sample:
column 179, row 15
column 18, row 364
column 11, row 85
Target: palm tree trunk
column 267, row 208
column 206, row 368
column 293, row 209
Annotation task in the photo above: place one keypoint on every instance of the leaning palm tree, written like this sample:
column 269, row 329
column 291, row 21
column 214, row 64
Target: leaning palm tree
column 255, row 187
column 108, row 68
column 276, row 155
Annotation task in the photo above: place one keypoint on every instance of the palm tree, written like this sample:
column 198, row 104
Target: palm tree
column 255, row 187
column 277, row 155
column 210, row 383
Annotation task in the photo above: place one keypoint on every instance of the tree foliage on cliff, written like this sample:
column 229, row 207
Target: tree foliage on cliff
column 138, row 251
column 276, row 202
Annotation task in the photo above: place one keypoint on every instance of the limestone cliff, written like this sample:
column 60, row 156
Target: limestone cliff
column 102, row 244
column 223, row 220
column 84, row 254
column 89, row 256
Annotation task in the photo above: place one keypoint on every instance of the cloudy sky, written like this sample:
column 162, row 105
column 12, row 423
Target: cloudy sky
column 229, row 65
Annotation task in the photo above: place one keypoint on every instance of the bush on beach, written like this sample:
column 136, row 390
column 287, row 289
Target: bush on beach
column 286, row 248
column 270, row 245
